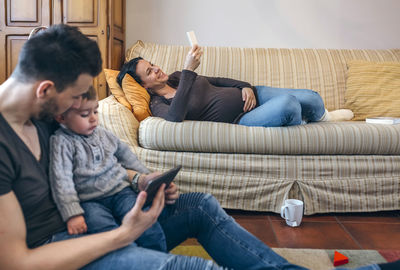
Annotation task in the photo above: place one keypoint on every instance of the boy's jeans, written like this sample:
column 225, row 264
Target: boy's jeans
column 107, row 213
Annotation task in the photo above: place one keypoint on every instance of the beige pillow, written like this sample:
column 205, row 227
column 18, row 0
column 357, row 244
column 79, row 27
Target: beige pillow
column 116, row 90
column 373, row 89
column 137, row 97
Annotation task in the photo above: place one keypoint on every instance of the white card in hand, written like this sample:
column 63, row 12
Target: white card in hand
column 192, row 38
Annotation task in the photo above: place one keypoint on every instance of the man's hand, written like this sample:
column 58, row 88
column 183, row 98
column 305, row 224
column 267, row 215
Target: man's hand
column 249, row 99
column 193, row 58
column 76, row 225
column 136, row 221
column 171, row 193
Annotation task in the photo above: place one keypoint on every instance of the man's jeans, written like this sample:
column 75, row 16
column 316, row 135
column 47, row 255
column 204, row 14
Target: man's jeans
column 284, row 107
column 200, row 216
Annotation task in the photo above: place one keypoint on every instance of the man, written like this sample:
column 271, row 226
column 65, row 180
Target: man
column 55, row 67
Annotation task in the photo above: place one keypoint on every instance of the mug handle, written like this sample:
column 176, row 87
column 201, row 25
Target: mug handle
column 283, row 211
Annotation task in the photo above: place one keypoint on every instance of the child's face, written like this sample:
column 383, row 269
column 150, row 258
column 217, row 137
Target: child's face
column 82, row 120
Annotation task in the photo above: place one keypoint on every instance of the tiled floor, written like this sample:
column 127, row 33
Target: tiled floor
column 377, row 231
column 380, row 230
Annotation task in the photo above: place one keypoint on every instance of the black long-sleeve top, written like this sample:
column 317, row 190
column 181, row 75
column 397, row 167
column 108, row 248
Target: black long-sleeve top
column 200, row 98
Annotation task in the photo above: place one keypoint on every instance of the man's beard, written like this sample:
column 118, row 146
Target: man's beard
column 48, row 110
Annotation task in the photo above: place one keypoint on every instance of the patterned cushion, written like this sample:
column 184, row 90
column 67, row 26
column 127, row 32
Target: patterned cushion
column 373, row 89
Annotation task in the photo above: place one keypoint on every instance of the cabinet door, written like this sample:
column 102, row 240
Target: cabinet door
column 15, row 25
column 90, row 16
column 116, row 41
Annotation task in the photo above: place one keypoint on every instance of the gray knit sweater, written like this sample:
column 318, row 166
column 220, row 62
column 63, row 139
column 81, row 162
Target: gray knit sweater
column 88, row 167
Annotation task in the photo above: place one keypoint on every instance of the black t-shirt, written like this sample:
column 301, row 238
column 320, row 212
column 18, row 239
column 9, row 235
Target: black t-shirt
column 201, row 98
column 21, row 173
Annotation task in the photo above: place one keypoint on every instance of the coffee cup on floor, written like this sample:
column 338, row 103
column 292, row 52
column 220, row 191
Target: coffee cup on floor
column 292, row 212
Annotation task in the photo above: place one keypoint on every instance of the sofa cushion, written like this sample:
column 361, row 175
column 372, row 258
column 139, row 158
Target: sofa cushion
column 137, row 97
column 373, row 89
column 312, row 139
column 115, row 89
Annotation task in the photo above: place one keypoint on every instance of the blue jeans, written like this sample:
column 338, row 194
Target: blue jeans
column 200, row 216
column 196, row 215
column 107, row 213
column 284, row 107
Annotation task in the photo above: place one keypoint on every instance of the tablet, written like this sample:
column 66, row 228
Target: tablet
column 153, row 186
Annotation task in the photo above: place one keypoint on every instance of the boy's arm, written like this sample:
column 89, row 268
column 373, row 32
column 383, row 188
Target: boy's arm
column 61, row 178
column 125, row 155
column 69, row 254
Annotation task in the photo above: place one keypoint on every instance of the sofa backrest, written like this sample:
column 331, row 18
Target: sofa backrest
column 322, row 70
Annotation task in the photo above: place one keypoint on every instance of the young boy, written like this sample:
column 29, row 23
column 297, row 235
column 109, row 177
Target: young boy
column 88, row 175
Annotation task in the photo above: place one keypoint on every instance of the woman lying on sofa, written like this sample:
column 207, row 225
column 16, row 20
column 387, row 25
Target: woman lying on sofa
column 187, row 96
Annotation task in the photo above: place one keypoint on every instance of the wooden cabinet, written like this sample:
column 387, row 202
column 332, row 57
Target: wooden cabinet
column 101, row 20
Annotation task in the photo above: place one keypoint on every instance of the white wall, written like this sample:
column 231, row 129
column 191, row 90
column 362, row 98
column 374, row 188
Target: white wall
column 369, row 24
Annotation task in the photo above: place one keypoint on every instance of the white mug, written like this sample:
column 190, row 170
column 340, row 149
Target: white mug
column 292, row 212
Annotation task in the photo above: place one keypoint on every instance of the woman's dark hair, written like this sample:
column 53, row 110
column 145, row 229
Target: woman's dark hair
column 61, row 54
column 130, row 68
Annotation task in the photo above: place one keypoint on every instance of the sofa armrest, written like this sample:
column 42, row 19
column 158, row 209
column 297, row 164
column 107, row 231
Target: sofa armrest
column 116, row 118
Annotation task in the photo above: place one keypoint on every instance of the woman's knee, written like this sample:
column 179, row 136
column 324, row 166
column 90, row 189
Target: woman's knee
column 312, row 105
column 311, row 98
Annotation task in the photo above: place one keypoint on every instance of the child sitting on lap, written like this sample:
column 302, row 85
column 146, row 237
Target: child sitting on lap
column 88, row 175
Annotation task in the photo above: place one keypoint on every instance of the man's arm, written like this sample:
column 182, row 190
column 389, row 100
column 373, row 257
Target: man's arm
column 69, row 254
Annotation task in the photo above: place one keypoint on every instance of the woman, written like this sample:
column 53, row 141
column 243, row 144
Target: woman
column 186, row 96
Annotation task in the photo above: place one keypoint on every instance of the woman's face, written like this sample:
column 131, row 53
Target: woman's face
column 153, row 78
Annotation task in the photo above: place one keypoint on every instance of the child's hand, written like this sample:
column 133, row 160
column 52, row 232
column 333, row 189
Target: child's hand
column 76, row 225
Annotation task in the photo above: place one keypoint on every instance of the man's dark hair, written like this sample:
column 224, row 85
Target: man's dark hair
column 130, row 68
column 60, row 54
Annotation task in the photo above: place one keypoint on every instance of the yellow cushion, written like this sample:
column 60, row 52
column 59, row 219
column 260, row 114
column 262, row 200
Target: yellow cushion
column 116, row 90
column 373, row 89
column 137, row 97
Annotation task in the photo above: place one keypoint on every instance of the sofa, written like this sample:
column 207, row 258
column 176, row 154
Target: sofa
column 332, row 166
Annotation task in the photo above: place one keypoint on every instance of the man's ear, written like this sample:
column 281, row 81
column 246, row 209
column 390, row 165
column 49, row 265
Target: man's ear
column 45, row 89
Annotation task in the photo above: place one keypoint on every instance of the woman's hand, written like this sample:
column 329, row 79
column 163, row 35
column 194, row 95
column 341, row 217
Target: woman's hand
column 249, row 99
column 193, row 58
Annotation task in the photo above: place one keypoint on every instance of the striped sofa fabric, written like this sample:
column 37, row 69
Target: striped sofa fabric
column 333, row 167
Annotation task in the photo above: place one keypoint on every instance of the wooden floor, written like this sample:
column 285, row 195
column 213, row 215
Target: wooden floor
column 379, row 231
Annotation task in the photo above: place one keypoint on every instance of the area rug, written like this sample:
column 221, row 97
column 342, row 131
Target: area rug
column 314, row 259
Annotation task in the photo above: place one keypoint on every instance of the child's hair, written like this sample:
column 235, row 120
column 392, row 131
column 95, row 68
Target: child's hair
column 90, row 94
